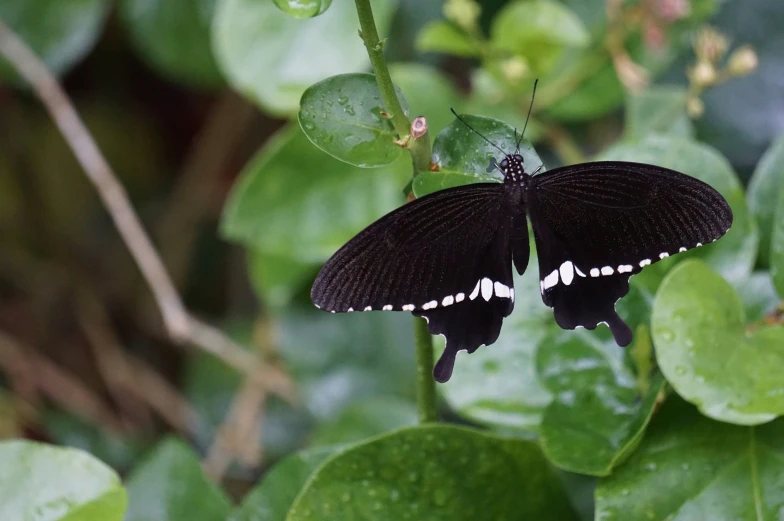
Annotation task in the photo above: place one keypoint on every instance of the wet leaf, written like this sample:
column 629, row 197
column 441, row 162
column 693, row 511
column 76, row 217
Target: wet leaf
column 445, row 37
column 765, row 187
column 598, row 415
column 61, row 32
column 734, row 254
column 48, row 483
column 344, row 116
column 174, row 38
column 295, row 201
column 306, row 9
column 706, row 353
column 271, row 499
column 437, row 472
column 658, row 110
column 164, row 485
column 689, row 468
column 272, row 58
column 463, row 157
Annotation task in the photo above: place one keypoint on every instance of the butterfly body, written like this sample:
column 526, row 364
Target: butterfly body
column 448, row 256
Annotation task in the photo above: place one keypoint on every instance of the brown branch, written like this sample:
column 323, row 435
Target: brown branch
column 181, row 326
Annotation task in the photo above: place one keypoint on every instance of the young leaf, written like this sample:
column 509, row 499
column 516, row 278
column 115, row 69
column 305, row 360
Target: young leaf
column 445, row 37
column 272, row 58
column 462, row 157
column 344, row 116
column 765, row 187
column 174, row 38
column 299, row 9
column 658, row 110
column 39, row 481
column 295, row 201
column 734, row 254
column 704, row 350
column 597, row 416
column 164, row 485
column 690, row 468
column 272, row 498
column 437, row 472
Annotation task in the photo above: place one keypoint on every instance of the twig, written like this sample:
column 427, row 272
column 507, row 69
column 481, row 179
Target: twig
column 181, row 326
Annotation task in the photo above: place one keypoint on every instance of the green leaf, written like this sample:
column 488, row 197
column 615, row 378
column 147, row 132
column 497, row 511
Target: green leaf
column 343, row 116
column 277, row 278
column 272, row 58
column 61, row 32
column 272, row 498
column 166, row 485
column 437, row 472
column 337, row 359
column 658, row 110
column 445, row 37
column 758, row 295
column 538, row 30
column 364, row 418
column 300, row 9
column 734, row 254
column 462, row 156
column 765, row 187
column 777, row 247
column 597, row 416
column 295, row 201
column 690, row 468
column 174, row 38
column 429, row 93
column 48, row 483
column 708, row 356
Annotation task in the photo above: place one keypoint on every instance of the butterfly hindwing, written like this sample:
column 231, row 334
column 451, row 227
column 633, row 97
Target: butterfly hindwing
column 446, row 256
column 597, row 224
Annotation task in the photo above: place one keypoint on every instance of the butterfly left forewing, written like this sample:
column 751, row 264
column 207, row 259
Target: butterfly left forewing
column 597, row 224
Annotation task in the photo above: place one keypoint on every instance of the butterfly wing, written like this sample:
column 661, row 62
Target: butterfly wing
column 445, row 256
column 597, row 224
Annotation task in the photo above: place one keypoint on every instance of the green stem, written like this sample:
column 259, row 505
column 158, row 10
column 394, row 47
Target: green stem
column 426, row 386
column 420, row 149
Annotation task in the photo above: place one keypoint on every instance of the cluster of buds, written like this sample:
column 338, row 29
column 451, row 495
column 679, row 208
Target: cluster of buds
column 463, row 13
column 710, row 47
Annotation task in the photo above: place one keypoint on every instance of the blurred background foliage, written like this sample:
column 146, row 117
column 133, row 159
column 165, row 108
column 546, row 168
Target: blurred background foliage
column 196, row 104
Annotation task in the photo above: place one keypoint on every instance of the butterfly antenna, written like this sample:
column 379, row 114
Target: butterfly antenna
column 528, row 116
column 477, row 133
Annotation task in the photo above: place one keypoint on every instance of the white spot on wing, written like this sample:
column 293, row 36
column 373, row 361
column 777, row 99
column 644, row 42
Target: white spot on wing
column 699, row 244
column 388, row 307
column 580, row 273
column 511, row 293
column 644, row 262
column 595, row 272
column 475, row 293
column 448, row 301
column 317, row 306
column 551, row 280
column 460, row 297
column 607, row 270
column 408, row 307
column 430, row 305
column 567, row 272
column 664, row 255
column 487, row 288
column 681, row 249
column 349, row 310
column 624, row 268
column 368, row 308
column 501, row 290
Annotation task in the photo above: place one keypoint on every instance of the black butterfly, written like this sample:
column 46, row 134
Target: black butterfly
column 448, row 256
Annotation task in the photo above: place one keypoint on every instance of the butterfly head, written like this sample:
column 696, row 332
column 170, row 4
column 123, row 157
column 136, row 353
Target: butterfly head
column 513, row 168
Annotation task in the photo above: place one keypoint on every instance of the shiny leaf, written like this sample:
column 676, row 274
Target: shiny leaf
column 462, row 157
column 689, row 468
column 48, row 483
column 437, row 472
column 707, row 354
column 344, row 116
column 295, row 201
column 164, row 485
column 306, row 9
column 272, row 58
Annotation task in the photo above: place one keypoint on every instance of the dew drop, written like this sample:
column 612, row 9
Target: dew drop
column 680, row 370
column 343, row 100
column 350, row 110
column 346, row 497
column 667, row 334
column 308, row 125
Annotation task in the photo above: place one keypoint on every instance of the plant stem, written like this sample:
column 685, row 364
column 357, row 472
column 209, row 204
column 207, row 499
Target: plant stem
column 426, row 386
column 420, row 149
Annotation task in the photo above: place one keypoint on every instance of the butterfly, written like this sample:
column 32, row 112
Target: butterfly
column 448, row 256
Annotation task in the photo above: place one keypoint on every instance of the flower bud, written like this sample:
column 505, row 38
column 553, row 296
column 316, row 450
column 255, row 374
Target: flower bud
column 703, row 74
column 710, row 45
column 742, row 61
